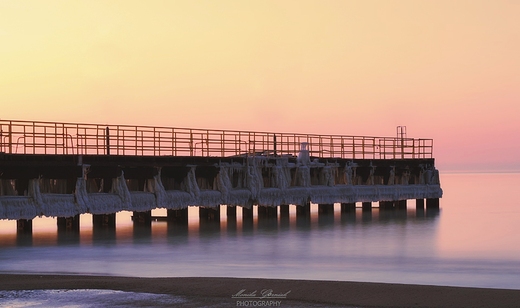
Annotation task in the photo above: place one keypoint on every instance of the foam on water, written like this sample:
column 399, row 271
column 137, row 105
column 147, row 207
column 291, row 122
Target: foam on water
column 86, row 298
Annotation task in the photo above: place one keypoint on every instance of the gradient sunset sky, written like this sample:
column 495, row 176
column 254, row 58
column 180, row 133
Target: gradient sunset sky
column 448, row 70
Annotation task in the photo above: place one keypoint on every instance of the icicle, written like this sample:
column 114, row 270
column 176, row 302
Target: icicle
column 435, row 177
column 348, row 174
column 160, row 192
column 255, row 181
column 120, row 188
column 280, row 174
column 303, row 176
column 391, row 179
column 81, row 195
column 35, row 195
column 223, row 183
column 326, row 177
column 189, row 184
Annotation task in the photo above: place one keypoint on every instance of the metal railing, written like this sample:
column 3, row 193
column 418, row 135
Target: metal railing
column 27, row 137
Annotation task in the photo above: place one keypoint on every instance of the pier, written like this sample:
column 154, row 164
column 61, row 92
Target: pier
column 64, row 170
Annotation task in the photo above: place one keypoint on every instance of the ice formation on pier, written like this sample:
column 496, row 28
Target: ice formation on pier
column 235, row 185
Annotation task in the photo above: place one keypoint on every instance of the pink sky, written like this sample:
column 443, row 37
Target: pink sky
column 448, row 70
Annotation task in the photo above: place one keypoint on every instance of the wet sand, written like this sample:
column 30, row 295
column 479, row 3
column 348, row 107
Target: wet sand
column 222, row 290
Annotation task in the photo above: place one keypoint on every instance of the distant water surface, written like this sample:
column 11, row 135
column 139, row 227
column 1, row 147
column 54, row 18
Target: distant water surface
column 472, row 241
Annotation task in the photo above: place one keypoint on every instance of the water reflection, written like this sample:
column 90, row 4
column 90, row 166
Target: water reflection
column 313, row 246
column 178, row 232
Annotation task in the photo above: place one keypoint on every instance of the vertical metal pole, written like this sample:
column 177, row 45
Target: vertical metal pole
column 108, row 140
column 222, row 143
column 191, row 142
column 274, row 140
column 207, row 143
column 10, row 139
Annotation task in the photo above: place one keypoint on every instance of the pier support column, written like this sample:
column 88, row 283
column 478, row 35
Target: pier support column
column 68, row 223
column 231, row 218
column 348, row 207
column 419, row 204
column 366, row 206
column 267, row 212
column 400, row 205
column 104, row 220
column 272, row 212
column 432, row 204
column 348, row 212
column 209, row 213
column 231, row 212
column 24, row 226
column 178, row 216
column 303, row 210
column 325, row 208
column 247, row 214
column 386, row 205
column 284, row 210
column 262, row 211
column 142, row 218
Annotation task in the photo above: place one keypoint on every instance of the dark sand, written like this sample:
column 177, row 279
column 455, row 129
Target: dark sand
column 335, row 293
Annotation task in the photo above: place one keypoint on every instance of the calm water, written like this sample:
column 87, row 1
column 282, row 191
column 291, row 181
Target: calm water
column 473, row 240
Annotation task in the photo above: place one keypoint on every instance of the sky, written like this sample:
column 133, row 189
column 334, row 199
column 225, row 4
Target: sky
column 447, row 70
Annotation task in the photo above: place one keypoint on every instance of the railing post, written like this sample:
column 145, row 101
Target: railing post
column 174, row 145
column 191, row 142
column 222, row 144
column 107, row 136
column 55, row 137
column 10, row 138
column 207, row 143
column 274, row 146
column 353, row 147
column 363, row 147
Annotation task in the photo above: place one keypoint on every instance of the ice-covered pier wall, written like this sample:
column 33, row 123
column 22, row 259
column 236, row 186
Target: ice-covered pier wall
column 247, row 181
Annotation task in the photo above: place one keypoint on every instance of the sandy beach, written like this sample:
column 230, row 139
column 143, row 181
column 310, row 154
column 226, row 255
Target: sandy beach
column 331, row 293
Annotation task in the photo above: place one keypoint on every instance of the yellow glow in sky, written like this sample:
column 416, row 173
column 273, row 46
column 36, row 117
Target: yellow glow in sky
column 448, row 70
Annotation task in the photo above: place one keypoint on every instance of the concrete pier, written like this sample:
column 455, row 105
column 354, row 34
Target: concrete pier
column 325, row 208
column 247, row 214
column 62, row 177
column 432, row 204
column 142, row 218
column 68, row 223
column 284, row 210
column 400, row 205
column 209, row 213
column 303, row 210
column 386, row 205
column 178, row 216
column 267, row 212
column 419, row 204
column 348, row 207
column 231, row 213
column 24, row 226
column 104, row 220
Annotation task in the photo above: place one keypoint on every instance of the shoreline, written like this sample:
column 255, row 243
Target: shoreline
column 312, row 292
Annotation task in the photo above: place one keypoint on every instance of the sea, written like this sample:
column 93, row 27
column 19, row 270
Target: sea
column 473, row 240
